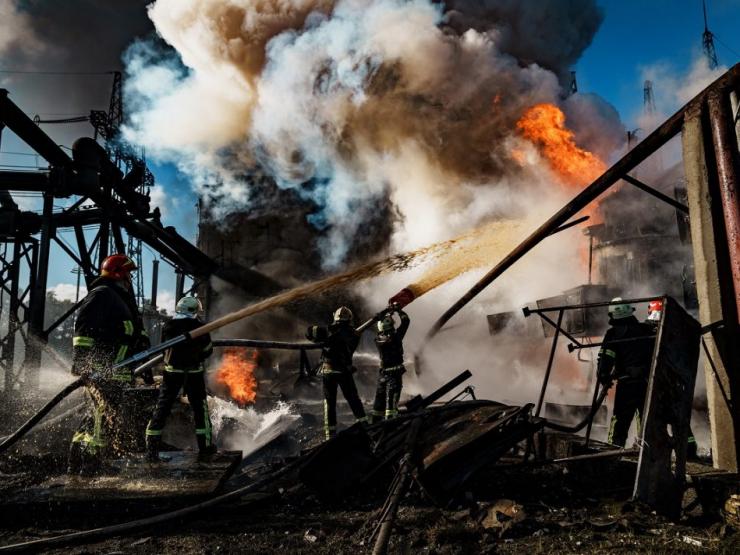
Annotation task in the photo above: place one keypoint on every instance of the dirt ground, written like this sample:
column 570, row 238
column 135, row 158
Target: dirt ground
column 581, row 508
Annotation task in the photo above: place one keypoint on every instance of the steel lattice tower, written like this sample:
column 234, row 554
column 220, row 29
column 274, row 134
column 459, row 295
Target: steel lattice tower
column 707, row 40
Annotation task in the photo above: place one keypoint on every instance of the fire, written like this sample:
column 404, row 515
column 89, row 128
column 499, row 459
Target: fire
column 544, row 125
column 236, row 372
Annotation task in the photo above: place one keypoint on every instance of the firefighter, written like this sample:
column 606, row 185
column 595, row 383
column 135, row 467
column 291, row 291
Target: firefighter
column 183, row 370
column 389, row 342
column 108, row 328
column 655, row 315
column 340, row 340
column 625, row 355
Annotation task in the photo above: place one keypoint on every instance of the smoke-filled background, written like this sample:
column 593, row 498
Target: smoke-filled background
column 391, row 125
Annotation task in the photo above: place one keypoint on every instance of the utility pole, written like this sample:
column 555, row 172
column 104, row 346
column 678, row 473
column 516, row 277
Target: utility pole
column 707, row 40
column 77, row 271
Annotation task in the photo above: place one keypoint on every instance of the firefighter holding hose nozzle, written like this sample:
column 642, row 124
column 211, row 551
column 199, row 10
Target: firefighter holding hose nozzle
column 108, row 328
column 340, row 340
column 183, row 370
column 389, row 341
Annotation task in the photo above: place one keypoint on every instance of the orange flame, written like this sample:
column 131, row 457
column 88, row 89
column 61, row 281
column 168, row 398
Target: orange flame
column 544, row 125
column 236, row 372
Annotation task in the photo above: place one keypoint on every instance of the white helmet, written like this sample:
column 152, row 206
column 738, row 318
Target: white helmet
column 188, row 307
column 621, row 310
column 342, row 314
column 386, row 324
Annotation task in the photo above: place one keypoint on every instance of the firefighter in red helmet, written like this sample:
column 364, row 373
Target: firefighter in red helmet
column 107, row 330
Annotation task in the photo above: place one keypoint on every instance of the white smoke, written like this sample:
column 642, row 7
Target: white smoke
column 351, row 101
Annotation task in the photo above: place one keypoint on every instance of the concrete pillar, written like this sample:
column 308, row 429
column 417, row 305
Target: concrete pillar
column 700, row 199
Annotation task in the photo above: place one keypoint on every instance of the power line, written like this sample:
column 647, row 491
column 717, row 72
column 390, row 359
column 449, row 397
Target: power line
column 723, row 43
column 33, row 72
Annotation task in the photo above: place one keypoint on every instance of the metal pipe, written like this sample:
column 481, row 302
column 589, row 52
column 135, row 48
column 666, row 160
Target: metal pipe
column 726, row 154
column 591, row 422
column 572, row 348
column 550, row 360
column 571, row 224
column 669, row 129
column 527, row 311
column 260, row 344
column 657, row 194
column 37, row 302
column 155, row 282
column 37, row 182
column 20, row 124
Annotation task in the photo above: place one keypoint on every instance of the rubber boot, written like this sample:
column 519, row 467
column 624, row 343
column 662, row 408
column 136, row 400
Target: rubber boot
column 205, row 448
column 74, row 460
column 152, row 448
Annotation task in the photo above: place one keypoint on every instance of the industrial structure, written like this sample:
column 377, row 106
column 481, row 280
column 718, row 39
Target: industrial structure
column 440, row 448
column 110, row 187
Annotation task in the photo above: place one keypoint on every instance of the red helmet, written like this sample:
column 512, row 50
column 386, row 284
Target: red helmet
column 655, row 306
column 118, row 267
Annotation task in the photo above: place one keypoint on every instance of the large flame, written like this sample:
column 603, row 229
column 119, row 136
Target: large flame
column 544, row 125
column 236, row 372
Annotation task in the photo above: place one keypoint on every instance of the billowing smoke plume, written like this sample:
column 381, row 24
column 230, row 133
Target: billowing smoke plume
column 347, row 103
column 86, row 36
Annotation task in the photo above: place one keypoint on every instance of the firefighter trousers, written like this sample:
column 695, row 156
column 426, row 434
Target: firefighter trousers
column 629, row 401
column 194, row 385
column 388, row 393
column 346, row 382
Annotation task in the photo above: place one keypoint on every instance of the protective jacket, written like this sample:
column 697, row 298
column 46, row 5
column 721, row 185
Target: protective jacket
column 390, row 344
column 627, row 360
column 340, row 341
column 107, row 330
column 186, row 357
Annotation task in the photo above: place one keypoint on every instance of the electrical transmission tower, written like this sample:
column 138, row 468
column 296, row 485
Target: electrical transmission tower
column 573, row 87
column 132, row 163
column 707, row 40
column 648, row 99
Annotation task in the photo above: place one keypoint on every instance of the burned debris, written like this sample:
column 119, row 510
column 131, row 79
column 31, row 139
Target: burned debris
column 221, row 427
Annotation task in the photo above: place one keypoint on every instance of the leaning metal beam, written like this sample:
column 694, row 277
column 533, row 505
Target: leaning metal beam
column 20, row 124
column 657, row 194
column 669, row 129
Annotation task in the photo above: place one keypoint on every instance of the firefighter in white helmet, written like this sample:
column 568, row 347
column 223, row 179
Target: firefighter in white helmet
column 340, row 340
column 625, row 356
column 183, row 370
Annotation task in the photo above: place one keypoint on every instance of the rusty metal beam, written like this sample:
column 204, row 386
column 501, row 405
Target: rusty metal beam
column 726, row 154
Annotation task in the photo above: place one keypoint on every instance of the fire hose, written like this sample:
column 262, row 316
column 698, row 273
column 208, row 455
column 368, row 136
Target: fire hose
column 589, row 417
column 86, row 536
column 31, row 422
column 10, row 440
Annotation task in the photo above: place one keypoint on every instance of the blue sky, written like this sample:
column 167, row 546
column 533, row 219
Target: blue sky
column 639, row 34
column 635, row 36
